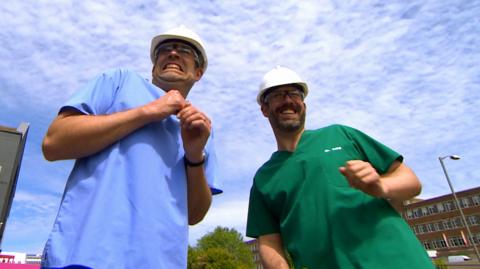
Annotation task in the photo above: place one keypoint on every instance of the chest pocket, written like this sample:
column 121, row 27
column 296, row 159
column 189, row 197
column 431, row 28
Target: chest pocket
column 325, row 163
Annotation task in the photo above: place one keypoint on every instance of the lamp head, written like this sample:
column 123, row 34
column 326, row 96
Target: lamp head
column 454, row 157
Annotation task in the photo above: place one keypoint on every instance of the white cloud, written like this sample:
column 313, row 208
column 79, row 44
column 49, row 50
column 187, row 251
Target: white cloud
column 406, row 73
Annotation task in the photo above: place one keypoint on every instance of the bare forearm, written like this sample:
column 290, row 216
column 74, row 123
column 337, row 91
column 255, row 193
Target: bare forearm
column 274, row 263
column 73, row 136
column 199, row 194
column 402, row 183
column 271, row 252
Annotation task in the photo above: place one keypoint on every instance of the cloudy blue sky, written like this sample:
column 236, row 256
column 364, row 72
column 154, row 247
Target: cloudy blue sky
column 405, row 72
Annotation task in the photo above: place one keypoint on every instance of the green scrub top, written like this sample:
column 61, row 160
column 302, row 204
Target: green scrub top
column 323, row 222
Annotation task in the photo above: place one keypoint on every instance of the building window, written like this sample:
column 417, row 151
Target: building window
column 476, row 200
column 449, row 206
column 457, row 223
column 439, row 243
column 409, row 214
column 440, row 226
column 465, row 202
column 473, row 220
column 432, row 209
column 421, row 229
column 476, row 238
column 440, row 207
column 418, row 212
column 456, row 241
column 427, row 245
column 425, row 211
column 447, row 225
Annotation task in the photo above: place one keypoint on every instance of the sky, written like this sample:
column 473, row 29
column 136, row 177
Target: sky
column 405, row 72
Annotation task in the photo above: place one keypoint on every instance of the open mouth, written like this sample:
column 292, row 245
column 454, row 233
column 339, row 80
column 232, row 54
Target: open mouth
column 287, row 110
column 172, row 66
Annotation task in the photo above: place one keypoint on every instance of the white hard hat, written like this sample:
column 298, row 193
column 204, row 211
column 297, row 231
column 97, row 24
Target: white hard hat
column 181, row 33
column 280, row 76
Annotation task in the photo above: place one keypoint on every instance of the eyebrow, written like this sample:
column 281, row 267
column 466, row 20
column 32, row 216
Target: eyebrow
column 198, row 56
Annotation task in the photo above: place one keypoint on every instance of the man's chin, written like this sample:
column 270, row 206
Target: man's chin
column 290, row 126
column 171, row 77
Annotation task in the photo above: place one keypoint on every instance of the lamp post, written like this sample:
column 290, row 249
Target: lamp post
column 456, row 157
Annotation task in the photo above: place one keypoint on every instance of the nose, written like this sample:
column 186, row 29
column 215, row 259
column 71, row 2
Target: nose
column 287, row 97
column 173, row 51
column 173, row 54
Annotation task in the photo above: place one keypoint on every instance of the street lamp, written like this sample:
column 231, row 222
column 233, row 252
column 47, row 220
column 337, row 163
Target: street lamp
column 456, row 157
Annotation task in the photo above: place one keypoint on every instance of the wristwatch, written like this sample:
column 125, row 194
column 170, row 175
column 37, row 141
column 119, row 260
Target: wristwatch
column 192, row 164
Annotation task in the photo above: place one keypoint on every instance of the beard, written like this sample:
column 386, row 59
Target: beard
column 290, row 125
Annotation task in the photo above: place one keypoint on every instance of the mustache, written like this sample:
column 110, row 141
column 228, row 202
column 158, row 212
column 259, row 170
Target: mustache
column 291, row 106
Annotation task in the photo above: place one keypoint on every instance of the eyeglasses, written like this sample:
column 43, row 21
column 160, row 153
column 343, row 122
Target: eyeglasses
column 182, row 49
column 277, row 96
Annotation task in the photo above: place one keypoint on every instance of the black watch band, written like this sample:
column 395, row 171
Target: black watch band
column 192, row 164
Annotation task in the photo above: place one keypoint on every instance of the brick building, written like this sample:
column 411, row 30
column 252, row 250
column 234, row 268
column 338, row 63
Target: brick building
column 438, row 224
column 253, row 245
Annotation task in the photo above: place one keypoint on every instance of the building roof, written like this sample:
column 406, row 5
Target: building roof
column 418, row 202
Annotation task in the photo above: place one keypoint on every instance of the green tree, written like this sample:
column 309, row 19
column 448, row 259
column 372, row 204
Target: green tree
column 214, row 258
column 440, row 264
column 221, row 249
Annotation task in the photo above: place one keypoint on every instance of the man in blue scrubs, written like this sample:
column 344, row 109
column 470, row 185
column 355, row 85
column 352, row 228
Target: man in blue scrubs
column 144, row 167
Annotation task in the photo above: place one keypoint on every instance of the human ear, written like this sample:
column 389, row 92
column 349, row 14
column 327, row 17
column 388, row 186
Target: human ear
column 264, row 108
column 198, row 73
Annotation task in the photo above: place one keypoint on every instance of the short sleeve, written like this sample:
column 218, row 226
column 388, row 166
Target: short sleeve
column 211, row 166
column 376, row 153
column 98, row 95
column 260, row 219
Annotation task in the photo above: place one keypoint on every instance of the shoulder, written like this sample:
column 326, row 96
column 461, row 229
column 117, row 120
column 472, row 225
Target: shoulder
column 335, row 127
column 265, row 166
column 270, row 168
column 119, row 74
column 330, row 130
column 339, row 128
column 263, row 171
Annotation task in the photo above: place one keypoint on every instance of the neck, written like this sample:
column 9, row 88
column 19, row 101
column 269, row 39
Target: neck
column 287, row 141
column 166, row 86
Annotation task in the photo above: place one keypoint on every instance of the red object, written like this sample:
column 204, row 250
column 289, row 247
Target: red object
column 19, row 266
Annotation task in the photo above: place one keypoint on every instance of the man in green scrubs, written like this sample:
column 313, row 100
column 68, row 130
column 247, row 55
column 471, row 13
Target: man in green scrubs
column 325, row 196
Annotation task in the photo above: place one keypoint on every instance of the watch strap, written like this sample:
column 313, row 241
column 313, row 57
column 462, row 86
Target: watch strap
column 193, row 164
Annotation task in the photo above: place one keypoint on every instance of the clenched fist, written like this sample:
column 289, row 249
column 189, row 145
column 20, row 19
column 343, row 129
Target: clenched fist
column 363, row 176
column 169, row 104
column 195, row 130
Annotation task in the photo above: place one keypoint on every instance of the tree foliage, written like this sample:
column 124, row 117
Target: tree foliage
column 221, row 249
column 440, row 264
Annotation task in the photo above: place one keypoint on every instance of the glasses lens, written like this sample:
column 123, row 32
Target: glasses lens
column 295, row 95
column 179, row 48
column 182, row 49
column 277, row 96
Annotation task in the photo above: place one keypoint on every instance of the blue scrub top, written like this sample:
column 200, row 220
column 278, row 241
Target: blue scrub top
column 126, row 206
